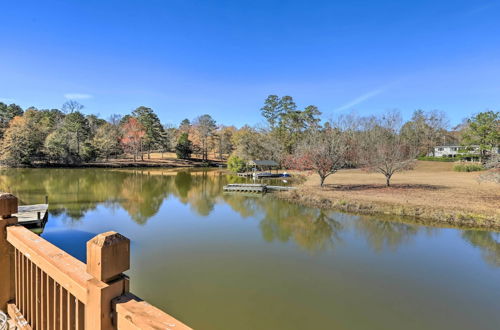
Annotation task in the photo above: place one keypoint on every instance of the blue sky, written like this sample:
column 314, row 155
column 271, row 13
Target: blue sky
column 185, row 58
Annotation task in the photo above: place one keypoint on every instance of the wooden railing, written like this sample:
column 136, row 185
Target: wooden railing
column 43, row 287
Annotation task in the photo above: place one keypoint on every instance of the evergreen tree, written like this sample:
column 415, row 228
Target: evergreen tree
column 184, row 147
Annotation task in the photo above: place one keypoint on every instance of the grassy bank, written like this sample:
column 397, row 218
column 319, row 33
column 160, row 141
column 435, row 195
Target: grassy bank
column 432, row 193
column 168, row 160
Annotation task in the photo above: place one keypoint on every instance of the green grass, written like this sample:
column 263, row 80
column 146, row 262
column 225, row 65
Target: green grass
column 468, row 167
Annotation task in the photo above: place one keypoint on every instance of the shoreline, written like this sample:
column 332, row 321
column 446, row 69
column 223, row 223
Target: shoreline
column 422, row 215
column 127, row 164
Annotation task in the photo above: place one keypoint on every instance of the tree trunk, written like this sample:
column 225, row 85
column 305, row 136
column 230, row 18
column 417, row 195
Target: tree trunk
column 322, row 181
column 388, row 180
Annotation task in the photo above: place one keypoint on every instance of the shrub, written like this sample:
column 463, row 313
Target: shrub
column 473, row 167
column 236, row 164
column 437, row 159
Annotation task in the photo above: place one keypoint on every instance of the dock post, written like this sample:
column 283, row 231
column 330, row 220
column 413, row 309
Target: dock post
column 46, row 199
column 108, row 256
column 38, row 215
column 8, row 206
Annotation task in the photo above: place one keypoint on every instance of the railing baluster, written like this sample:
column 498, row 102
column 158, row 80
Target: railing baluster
column 30, row 291
column 80, row 315
column 71, row 311
column 64, row 308
column 43, row 302
column 23, row 284
column 16, row 279
column 50, row 303
column 38, row 306
column 57, row 306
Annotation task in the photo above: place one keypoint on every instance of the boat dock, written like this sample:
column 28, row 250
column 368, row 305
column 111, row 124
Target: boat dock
column 261, row 175
column 32, row 215
column 254, row 188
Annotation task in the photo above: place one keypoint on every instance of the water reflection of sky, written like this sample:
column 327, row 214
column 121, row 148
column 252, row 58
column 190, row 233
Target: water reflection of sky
column 230, row 259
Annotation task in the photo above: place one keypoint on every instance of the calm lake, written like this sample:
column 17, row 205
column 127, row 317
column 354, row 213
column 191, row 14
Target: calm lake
column 232, row 261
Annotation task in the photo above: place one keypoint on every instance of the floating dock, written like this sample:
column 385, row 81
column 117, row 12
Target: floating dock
column 261, row 175
column 32, row 215
column 254, row 188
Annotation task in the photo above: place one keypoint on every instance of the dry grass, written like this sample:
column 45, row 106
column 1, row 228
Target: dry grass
column 433, row 190
column 168, row 159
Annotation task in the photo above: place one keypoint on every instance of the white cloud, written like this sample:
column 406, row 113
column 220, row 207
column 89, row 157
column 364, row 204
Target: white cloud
column 6, row 100
column 77, row 96
column 360, row 99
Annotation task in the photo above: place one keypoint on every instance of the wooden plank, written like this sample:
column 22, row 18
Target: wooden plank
column 57, row 306
column 72, row 301
column 80, row 316
column 7, row 292
column 17, row 271
column 38, row 291
column 18, row 317
column 31, row 290
column 50, row 302
column 43, row 301
column 134, row 314
column 23, row 283
column 63, row 309
column 62, row 267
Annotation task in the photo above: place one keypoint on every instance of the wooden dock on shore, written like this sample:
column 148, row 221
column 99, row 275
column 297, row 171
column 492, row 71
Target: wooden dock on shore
column 254, row 188
column 32, row 215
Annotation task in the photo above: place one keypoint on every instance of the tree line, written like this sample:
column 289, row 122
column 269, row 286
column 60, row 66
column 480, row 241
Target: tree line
column 67, row 136
column 292, row 136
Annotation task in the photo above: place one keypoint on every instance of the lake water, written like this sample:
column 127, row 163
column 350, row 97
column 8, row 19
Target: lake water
column 231, row 261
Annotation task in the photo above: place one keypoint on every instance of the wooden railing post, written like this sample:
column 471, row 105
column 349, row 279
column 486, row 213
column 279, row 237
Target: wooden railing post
column 108, row 256
column 8, row 206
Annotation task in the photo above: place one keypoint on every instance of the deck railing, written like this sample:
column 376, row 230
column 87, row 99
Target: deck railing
column 43, row 287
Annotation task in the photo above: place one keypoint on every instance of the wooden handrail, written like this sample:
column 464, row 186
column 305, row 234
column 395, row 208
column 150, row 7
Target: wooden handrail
column 133, row 313
column 43, row 287
column 65, row 269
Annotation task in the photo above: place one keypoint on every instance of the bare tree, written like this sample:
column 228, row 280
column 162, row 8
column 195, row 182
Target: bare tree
column 322, row 151
column 383, row 149
column 425, row 130
column 71, row 106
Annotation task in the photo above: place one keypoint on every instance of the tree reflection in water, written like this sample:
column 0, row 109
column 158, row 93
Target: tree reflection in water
column 488, row 242
column 141, row 192
column 382, row 234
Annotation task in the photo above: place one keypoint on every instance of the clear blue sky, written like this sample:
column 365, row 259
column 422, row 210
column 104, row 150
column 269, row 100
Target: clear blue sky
column 184, row 58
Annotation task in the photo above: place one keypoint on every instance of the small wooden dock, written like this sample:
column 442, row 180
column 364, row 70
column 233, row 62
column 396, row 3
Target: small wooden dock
column 254, row 188
column 32, row 215
column 261, row 175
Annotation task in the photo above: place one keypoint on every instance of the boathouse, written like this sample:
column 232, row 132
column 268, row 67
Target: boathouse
column 263, row 165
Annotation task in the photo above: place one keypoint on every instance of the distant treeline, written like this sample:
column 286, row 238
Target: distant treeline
column 293, row 137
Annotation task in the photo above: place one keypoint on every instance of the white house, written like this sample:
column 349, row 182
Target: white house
column 454, row 150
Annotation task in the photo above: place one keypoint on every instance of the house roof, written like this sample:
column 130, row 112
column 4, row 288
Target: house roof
column 262, row 163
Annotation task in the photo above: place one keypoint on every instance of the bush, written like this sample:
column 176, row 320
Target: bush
column 236, row 164
column 437, row 159
column 473, row 167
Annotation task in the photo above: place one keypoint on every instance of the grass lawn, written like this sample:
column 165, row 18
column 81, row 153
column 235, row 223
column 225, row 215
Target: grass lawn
column 433, row 190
